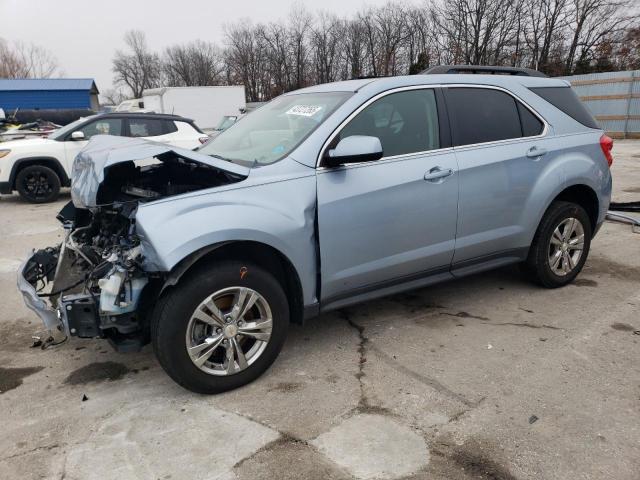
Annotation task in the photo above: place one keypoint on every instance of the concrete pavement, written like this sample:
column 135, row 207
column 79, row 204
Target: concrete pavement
column 486, row 377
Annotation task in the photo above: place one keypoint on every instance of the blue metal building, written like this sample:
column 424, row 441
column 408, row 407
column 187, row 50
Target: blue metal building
column 48, row 94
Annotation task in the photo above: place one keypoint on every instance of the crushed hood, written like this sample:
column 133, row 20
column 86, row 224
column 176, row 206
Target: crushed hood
column 104, row 151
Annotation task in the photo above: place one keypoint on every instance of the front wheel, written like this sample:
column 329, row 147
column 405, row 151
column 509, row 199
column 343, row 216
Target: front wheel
column 38, row 184
column 221, row 327
column 560, row 246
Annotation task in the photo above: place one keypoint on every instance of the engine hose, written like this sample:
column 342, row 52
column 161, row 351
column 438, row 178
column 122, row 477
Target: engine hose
column 61, row 290
column 88, row 276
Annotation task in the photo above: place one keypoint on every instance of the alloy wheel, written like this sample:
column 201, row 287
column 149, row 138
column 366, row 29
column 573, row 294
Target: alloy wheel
column 37, row 184
column 566, row 246
column 228, row 331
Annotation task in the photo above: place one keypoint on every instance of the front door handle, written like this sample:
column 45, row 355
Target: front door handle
column 536, row 152
column 437, row 173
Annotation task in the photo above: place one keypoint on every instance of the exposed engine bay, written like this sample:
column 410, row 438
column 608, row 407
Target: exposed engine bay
column 94, row 278
column 94, row 284
column 127, row 181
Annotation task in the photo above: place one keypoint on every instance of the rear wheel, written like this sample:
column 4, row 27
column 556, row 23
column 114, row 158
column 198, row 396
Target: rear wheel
column 221, row 328
column 38, row 184
column 560, row 246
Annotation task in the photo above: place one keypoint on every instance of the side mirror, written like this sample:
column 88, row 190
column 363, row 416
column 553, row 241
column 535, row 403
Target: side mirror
column 77, row 135
column 354, row 149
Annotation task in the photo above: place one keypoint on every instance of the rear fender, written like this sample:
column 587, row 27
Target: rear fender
column 574, row 160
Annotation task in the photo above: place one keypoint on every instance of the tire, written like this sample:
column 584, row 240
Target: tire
column 174, row 325
column 38, row 184
column 544, row 265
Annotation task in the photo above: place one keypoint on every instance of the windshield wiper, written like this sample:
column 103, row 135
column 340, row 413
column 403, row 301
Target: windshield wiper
column 220, row 157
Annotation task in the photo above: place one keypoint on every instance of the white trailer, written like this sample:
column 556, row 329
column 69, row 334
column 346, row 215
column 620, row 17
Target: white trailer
column 206, row 105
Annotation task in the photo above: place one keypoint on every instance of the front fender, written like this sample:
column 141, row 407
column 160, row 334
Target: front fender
column 279, row 214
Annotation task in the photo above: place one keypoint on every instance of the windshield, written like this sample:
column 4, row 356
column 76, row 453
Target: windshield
column 62, row 132
column 271, row 132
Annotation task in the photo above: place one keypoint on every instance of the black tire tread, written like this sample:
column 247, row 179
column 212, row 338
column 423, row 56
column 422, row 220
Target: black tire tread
column 167, row 303
column 536, row 266
column 50, row 172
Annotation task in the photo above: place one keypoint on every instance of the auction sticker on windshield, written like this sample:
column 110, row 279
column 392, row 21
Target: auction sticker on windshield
column 304, row 110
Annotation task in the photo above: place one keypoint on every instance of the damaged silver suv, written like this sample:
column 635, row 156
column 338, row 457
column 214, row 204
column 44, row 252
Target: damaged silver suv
column 325, row 197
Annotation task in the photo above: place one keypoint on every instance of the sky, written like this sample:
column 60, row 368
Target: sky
column 83, row 35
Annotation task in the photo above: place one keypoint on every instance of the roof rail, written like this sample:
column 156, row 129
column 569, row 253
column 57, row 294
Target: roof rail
column 482, row 69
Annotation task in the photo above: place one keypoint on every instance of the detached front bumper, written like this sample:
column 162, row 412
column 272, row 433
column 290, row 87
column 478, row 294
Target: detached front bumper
column 54, row 326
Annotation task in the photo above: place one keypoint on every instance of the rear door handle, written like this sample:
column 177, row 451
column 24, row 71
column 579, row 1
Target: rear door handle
column 536, row 152
column 437, row 173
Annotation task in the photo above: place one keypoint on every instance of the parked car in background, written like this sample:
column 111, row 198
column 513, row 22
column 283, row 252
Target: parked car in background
column 38, row 167
column 323, row 198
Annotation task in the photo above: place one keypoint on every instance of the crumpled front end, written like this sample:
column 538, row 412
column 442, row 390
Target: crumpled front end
column 90, row 285
column 97, row 283
column 32, row 267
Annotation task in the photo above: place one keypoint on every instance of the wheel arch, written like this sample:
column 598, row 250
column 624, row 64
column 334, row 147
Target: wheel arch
column 46, row 161
column 584, row 196
column 266, row 256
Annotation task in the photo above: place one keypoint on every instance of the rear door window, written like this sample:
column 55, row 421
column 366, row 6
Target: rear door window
column 480, row 115
column 145, row 127
column 405, row 122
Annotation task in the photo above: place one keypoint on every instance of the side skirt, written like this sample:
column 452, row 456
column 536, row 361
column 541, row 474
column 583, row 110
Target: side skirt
column 419, row 280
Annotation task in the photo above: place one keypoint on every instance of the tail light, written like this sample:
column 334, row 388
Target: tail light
column 606, row 144
column 204, row 140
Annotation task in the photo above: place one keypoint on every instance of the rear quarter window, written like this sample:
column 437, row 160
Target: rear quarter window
column 566, row 100
column 170, row 126
column 531, row 125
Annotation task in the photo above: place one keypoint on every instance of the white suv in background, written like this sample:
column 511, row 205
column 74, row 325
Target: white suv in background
column 38, row 167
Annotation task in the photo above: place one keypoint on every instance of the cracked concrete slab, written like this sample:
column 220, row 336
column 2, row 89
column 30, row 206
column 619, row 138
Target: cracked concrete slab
column 419, row 359
column 374, row 447
column 287, row 459
column 310, row 387
column 162, row 440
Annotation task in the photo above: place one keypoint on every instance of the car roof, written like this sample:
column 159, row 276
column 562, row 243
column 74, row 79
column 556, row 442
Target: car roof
column 386, row 83
column 164, row 116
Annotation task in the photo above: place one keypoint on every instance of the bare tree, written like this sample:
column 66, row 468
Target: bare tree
column 355, row 48
column 628, row 54
column 300, row 24
column 325, row 46
column 193, row 64
column 596, row 22
column 244, row 56
column 113, row 96
column 556, row 36
column 22, row 60
column 279, row 68
column 138, row 68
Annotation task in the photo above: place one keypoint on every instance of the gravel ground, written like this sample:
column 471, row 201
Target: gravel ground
column 487, row 377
